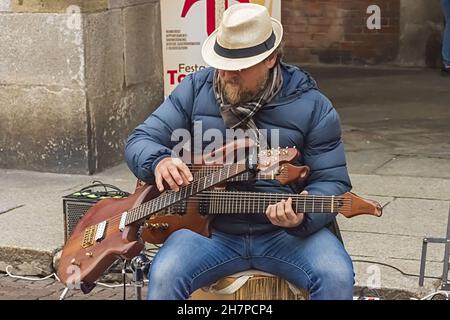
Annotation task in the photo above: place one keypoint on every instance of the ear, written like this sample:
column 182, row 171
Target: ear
column 270, row 61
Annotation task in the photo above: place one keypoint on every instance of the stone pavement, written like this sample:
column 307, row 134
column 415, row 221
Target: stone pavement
column 396, row 128
column 50, row 289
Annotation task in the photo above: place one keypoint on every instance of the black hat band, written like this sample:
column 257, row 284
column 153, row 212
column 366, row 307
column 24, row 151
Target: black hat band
column 245, row 52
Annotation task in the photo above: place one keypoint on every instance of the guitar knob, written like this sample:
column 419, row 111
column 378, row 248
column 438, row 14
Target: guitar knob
column 75, row 262
column 89, row 254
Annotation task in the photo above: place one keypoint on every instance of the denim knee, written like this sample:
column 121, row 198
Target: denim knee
column 167, row 283
column 333, row 283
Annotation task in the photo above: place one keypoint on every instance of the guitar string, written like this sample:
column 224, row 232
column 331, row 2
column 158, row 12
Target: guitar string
column 205, row 179
column 233, row 205
column 251, row 196
column 310, row 206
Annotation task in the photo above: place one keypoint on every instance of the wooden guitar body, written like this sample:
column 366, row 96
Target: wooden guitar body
column 84, row 260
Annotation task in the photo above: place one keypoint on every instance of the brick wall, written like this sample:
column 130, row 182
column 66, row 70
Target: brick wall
column 335, row 31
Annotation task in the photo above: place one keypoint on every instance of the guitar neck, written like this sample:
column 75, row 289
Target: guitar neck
column 167, row 199
column 201, row 170
column 235, row 202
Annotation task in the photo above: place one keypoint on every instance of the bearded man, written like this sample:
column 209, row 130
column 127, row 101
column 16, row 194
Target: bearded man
column 249, row 87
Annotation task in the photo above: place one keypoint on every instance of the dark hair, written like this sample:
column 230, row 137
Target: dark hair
column 278, row 52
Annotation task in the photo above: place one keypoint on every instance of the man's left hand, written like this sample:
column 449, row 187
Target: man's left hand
column 281, row 214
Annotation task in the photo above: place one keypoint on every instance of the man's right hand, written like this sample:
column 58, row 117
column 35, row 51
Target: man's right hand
column 174, row 172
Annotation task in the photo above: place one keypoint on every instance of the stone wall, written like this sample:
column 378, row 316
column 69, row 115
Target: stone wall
column 421, row 27
column 73, row 86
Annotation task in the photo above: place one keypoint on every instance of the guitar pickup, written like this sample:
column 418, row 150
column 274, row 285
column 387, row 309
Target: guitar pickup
column 100, row 233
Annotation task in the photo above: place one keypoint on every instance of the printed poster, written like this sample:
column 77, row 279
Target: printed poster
column 185, row 25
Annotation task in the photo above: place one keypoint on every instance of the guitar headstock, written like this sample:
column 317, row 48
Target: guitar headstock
column 289, row 173
column 354, row 205
column 273, row 158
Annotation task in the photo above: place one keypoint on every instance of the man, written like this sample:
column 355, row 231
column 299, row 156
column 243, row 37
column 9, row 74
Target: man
column 249, row 87
column 446, row 38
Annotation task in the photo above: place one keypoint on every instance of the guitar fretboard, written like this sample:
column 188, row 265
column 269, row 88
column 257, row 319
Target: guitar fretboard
column 246, row 176
column 167, row 199
column 235, row 202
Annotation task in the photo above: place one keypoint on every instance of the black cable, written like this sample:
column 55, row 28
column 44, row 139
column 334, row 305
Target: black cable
column 363, row 291
column 395, row 268
column 439, row 296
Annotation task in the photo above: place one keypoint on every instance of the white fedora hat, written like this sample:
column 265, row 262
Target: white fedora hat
column 246, row 36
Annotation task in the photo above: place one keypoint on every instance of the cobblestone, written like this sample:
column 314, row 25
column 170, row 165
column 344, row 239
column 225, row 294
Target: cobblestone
column 51, row 289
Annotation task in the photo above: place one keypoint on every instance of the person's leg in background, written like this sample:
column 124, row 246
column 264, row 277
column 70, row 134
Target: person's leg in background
column 446, row 39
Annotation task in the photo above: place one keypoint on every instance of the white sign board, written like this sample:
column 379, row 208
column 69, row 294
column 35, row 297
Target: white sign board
column 185, row 25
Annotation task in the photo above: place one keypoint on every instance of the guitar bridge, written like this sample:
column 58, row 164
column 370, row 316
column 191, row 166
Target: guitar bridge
column 93, row 234
column 89, row 236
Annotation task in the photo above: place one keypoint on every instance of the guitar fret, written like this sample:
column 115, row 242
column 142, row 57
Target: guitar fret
column 295, row 204
column 253, row 206
column 220, row 175
column 159, row 203
column 198, row 185
column 216, row 203
column 304, row 204
column 233, row 206
column 332, row 204
column 177, row 196
column 170, row 198
column 185, row 193
column 227, row 203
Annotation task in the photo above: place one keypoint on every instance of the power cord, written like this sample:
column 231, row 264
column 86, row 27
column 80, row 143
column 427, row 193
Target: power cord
column 438, row 295
column 29, row 278
column 53, row 275
column 395, row 268
column 363, row 294
column 432, row 296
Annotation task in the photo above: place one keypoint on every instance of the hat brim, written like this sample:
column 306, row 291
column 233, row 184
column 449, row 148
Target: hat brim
column 223, row 63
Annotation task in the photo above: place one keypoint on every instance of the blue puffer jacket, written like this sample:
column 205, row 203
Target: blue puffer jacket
column 305, row 118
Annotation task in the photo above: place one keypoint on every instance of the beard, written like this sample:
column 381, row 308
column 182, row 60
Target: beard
column 235, row 93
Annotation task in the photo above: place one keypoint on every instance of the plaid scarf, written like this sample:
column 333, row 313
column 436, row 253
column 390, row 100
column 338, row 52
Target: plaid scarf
column 241, row 116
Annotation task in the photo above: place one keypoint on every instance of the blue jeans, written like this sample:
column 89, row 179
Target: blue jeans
column 446, row 39
column 188, row 261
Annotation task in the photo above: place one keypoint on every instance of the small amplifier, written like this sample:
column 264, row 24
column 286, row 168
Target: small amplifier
column 75, row 205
